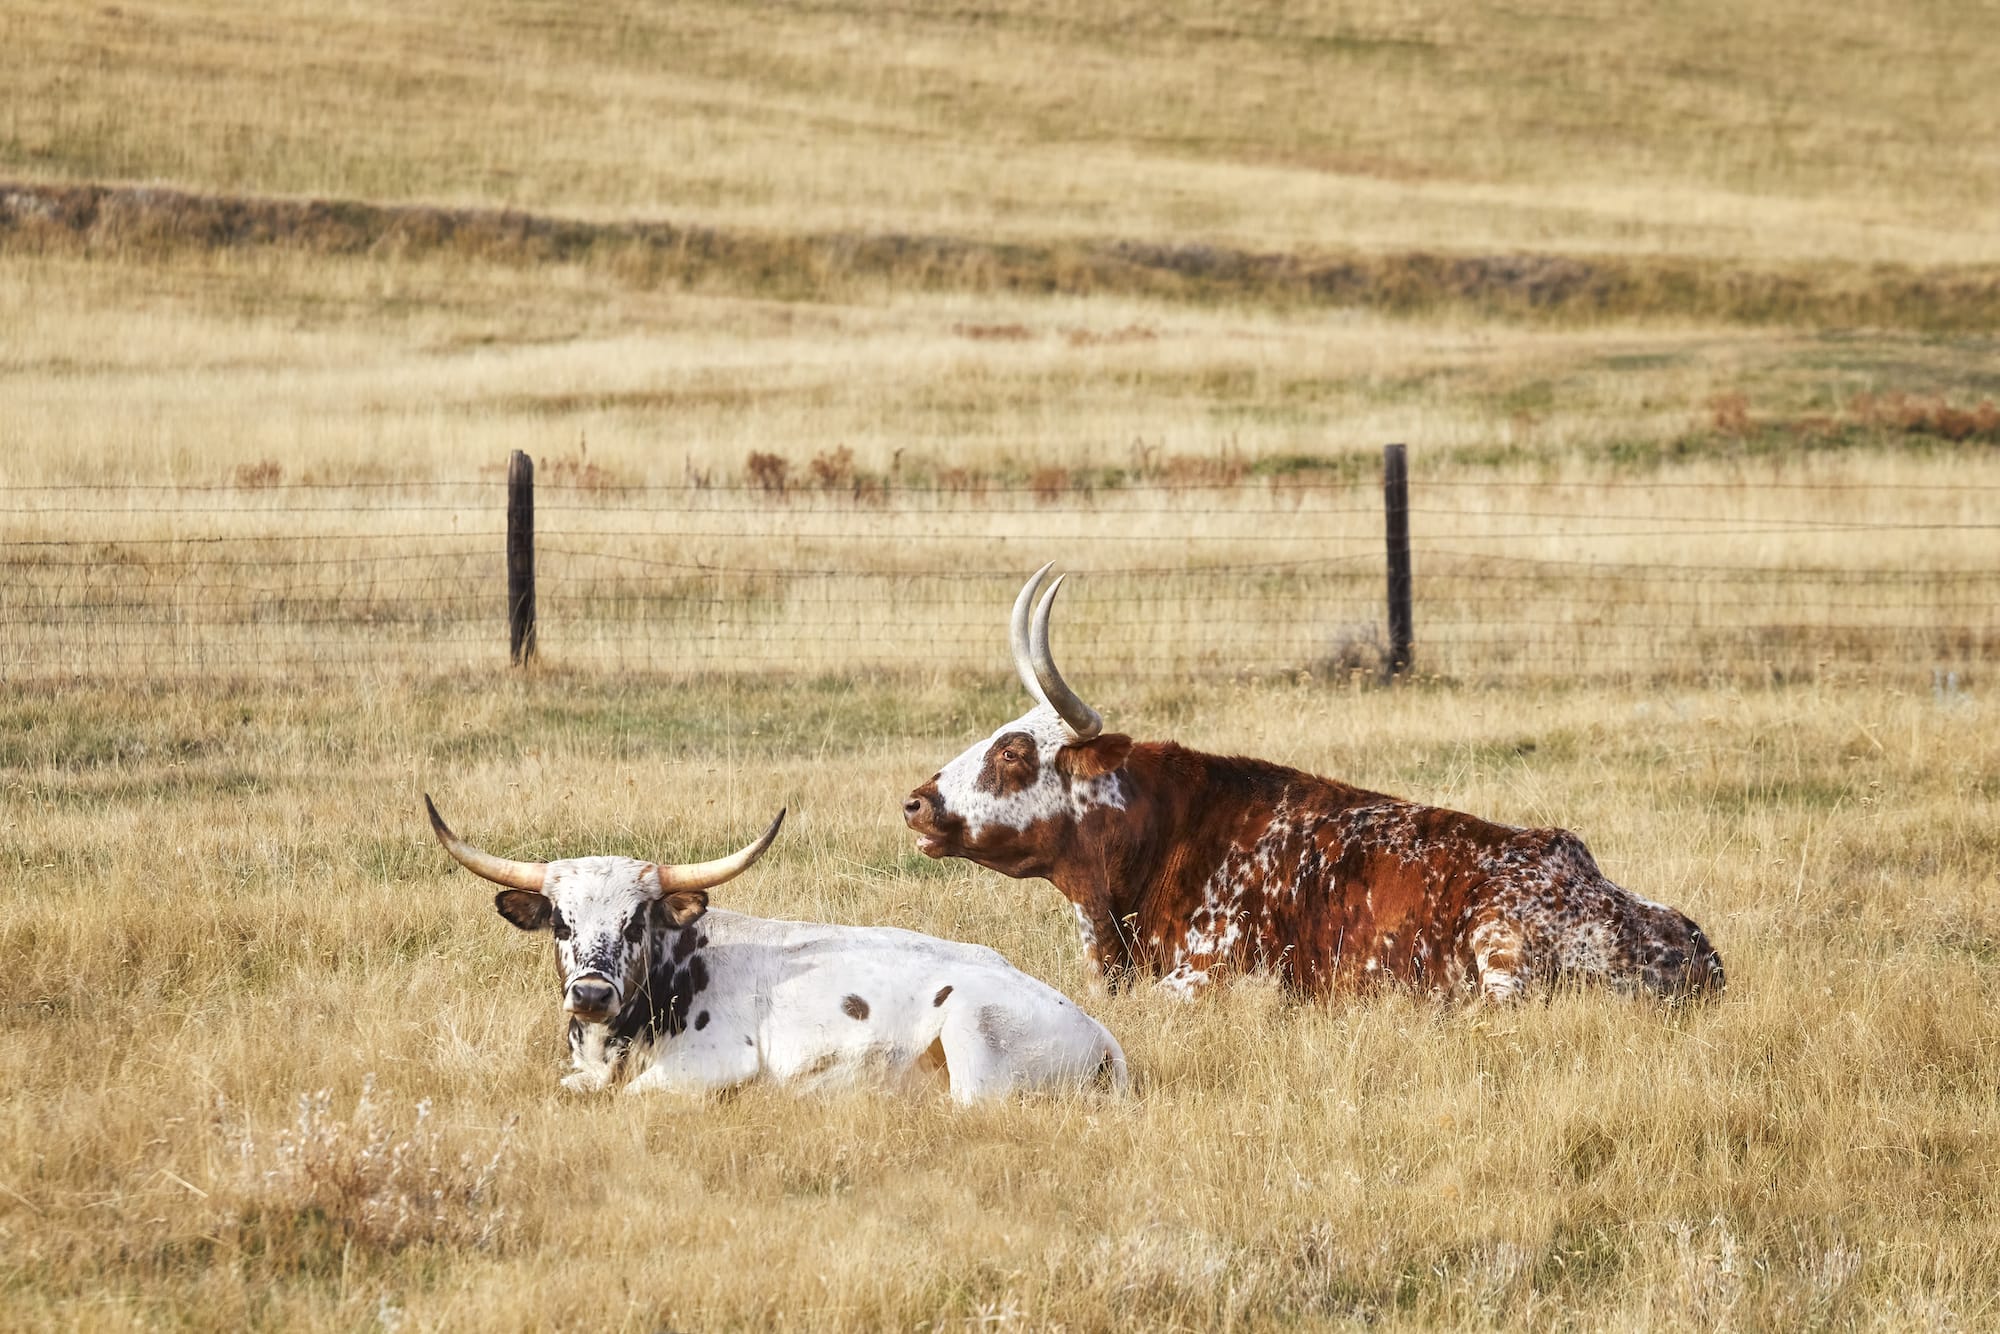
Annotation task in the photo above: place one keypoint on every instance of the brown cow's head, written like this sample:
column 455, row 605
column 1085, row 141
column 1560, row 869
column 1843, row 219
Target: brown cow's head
column 604, row 912
column 1013, row 802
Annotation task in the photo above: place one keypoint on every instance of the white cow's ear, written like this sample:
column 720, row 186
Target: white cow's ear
column 524, row 908
column 682, row 906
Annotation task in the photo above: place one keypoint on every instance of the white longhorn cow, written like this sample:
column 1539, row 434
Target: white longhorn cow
column 665, row 993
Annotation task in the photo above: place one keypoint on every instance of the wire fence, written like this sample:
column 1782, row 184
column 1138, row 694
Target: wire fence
column 1515, row 581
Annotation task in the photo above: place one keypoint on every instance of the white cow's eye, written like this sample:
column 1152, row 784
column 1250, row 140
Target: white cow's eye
column 559, row 927
column 635, row 928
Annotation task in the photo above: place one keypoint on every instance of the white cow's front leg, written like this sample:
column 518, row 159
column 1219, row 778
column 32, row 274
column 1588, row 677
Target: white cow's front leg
column 697, row 1064
column 590, row 1055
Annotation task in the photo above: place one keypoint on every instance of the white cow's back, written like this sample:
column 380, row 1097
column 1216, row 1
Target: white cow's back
column 826, row 1005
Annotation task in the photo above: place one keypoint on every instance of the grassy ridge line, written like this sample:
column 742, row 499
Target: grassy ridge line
column 101, row 219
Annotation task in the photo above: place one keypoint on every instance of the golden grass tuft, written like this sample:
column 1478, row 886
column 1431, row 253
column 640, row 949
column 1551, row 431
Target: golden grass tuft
column 323, row 1185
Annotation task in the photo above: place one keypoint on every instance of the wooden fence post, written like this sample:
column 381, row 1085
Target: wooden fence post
column 1396, row 509
column 521, row 556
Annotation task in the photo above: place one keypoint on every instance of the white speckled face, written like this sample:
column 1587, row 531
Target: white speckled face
column 599, row 910
column 1017, row 784
column 978, row 805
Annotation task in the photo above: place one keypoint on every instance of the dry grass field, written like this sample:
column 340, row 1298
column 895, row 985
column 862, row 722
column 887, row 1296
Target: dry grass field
column 1785, row 134
column 824, row 325
column 225, row 901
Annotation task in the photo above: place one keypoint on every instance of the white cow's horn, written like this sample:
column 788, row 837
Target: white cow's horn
column 1082, row 719
column 1017, row 633
column 704, row 875
column 515, row 875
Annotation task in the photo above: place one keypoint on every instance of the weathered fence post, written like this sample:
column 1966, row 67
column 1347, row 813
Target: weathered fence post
column 521, row 556
column 1396, row 508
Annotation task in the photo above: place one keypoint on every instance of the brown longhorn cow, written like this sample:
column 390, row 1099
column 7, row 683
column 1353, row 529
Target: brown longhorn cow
column 1190, row 867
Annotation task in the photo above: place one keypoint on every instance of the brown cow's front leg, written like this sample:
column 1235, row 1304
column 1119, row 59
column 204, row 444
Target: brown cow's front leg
column 1185, row 981
column 1499, row 960
column 1105, row 946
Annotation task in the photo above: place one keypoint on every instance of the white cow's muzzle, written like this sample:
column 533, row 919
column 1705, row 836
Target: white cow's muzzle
column 591, row 998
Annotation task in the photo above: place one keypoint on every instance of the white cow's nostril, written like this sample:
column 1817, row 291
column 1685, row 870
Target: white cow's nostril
column 591, row 996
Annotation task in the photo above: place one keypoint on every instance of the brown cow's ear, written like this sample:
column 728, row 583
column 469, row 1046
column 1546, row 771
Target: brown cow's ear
column 1095, row 757
column 681, row 906
column 524, row 908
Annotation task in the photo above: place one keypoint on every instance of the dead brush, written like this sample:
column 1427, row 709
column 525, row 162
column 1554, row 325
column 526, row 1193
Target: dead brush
column 577, row 472
column 1357, row 652
column 1911, row 415
column 768, row 472
column 1051, row 484
column 1150, row 464
column 833, row 470
column 1131, row 333
column 1204, row 472
column 257, row 476
column 324, row 1184
column 1729, row 414
column 994, row 333
column 963, row 481
column 573, row 472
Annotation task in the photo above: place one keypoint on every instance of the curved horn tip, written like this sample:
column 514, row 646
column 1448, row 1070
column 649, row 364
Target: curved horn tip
column 1024, row 604
column 707, row 875
column 1083, row 721
column 770, row 833
column 1038, row 634
column 1019, row 635
column 500, row 870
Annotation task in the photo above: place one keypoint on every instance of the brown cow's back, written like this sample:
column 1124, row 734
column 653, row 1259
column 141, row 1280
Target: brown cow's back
column 1245, row 865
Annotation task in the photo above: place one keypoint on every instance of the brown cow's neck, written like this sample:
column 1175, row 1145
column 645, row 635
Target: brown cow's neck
column 1132, row 873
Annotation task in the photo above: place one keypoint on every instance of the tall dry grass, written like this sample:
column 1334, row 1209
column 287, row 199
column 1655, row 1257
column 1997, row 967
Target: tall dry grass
column 225, row 902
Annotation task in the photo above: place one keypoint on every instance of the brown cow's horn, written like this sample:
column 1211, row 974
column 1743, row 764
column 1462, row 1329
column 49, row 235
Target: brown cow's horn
column 704, row 875
column 1082, row 719
column 1017, row 633
column 515, row 875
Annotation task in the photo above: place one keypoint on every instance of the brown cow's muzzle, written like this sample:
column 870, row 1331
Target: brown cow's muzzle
column 923, row 813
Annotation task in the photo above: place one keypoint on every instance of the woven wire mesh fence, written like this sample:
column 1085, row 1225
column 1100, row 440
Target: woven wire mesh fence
column 1515, row 581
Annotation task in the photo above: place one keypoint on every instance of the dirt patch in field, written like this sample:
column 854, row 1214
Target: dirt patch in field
column 99, row 219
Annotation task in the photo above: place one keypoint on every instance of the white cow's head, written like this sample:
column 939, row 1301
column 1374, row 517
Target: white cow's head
column 604, row 912
column 1014, row 802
